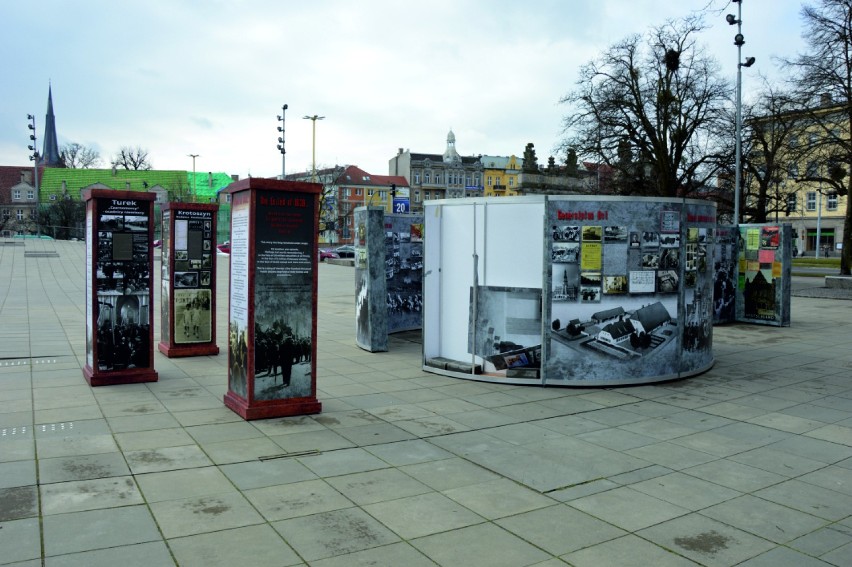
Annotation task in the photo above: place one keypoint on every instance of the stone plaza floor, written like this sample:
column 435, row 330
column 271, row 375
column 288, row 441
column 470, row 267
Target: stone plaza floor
column 748, row 464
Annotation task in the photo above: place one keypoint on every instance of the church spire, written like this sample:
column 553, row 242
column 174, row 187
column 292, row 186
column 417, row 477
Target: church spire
column 50, row 152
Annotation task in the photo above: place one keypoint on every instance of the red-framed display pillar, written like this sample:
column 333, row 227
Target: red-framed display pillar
column 272, row 311
column 188, row 280
column 119, row 291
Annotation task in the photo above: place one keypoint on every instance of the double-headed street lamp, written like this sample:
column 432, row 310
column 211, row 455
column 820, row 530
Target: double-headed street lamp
column 313, row 120
column 281, row 140
column 739, row 40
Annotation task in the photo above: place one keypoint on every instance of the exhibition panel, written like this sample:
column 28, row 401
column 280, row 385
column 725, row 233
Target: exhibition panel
column 569, row 290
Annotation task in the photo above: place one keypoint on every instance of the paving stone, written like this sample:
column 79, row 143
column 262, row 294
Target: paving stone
column 706, row 541
column 765, row 519
column 83, row 467
column 627, row 551
column 258, row 545
column 18, row 502
column 202, row 514
column 483, row 545
column 152, row 554
column 98, row 529
column 79, row 495
column 296, row 499
column 421, row 515
column 560, row 529
column 338, row 532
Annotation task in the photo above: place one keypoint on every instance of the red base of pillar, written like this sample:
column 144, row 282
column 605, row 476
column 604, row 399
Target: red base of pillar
column 191, row 350
column 272, row 408
column 132, row 376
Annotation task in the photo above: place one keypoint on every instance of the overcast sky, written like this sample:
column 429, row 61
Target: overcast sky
column 180, row 77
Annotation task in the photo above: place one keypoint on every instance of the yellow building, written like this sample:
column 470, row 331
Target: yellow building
column 500, row 175
column 804, row 163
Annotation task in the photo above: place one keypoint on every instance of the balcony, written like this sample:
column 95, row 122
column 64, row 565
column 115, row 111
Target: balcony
column 498, row 187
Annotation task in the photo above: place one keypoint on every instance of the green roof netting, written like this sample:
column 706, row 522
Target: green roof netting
column 176, row 182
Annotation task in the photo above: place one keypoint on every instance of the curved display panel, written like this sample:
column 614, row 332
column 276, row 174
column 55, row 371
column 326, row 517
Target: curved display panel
column 569, row 290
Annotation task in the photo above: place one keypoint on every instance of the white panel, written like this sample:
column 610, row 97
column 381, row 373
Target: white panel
column 457, row 244
column 431, row 280
column 513, row 244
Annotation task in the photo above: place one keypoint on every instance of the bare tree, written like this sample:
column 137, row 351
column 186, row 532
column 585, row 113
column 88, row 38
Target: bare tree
column 771, row 159
column 78, row 156
column 132, row 158
column 824, row 74
column 653, row 109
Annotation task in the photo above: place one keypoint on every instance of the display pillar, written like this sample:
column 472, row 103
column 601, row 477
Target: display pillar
column 119, row 294
column 371, row 266
column 272, row 325
column 188, row 280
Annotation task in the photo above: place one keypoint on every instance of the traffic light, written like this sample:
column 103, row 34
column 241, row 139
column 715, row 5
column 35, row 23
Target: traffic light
column 393, row 190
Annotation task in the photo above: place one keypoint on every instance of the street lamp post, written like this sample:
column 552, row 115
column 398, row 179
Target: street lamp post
column 313, row 120
column 281, row 141
column 739, row 40
column 194, row 195
column 34, row 157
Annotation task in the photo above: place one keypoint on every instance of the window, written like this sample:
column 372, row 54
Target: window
column 369, row 192
column 438, row 178
column 359, row 192
column 428, row 195
column 20, row 214
column 228, row 198
column 417, row 178
column 792, row 203
column 511, row 182
column 489, row 181
column 30, row 194
column 812, row 169
column 793, row 171
column 832, row 202
column 383, row 195
column 427, row 177
column 417, row 195
column 16, row 194
column 810, row 203
column 347, row 192
column 5, row 214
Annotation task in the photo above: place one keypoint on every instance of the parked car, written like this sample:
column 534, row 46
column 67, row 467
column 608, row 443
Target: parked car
column 225, row 247
column 345, row 251
column 327, row 253
column 158, row 243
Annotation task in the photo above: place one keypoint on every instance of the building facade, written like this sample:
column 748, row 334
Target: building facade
column 500, row 175
column 438, row 176
column 18, row 201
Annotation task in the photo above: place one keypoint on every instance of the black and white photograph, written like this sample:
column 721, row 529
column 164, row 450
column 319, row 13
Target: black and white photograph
column 205, row 278
column 181, row 255
column 112, row 223
column 192, row 316
column 650, row 260
column 123, row 332
column 186, row 279
column 565, row 252
column 592, row 233
column 670, row 240
column 566, row 282
column 635, row 240
column 615, row 234
column 589, row 294
column 207, row 261
column 133, row 223
column 569, row 233
column 205, row 244
column 650, row 239
column 507, row 330
column 613, row 285
column 669, row 259
column 667, row 281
